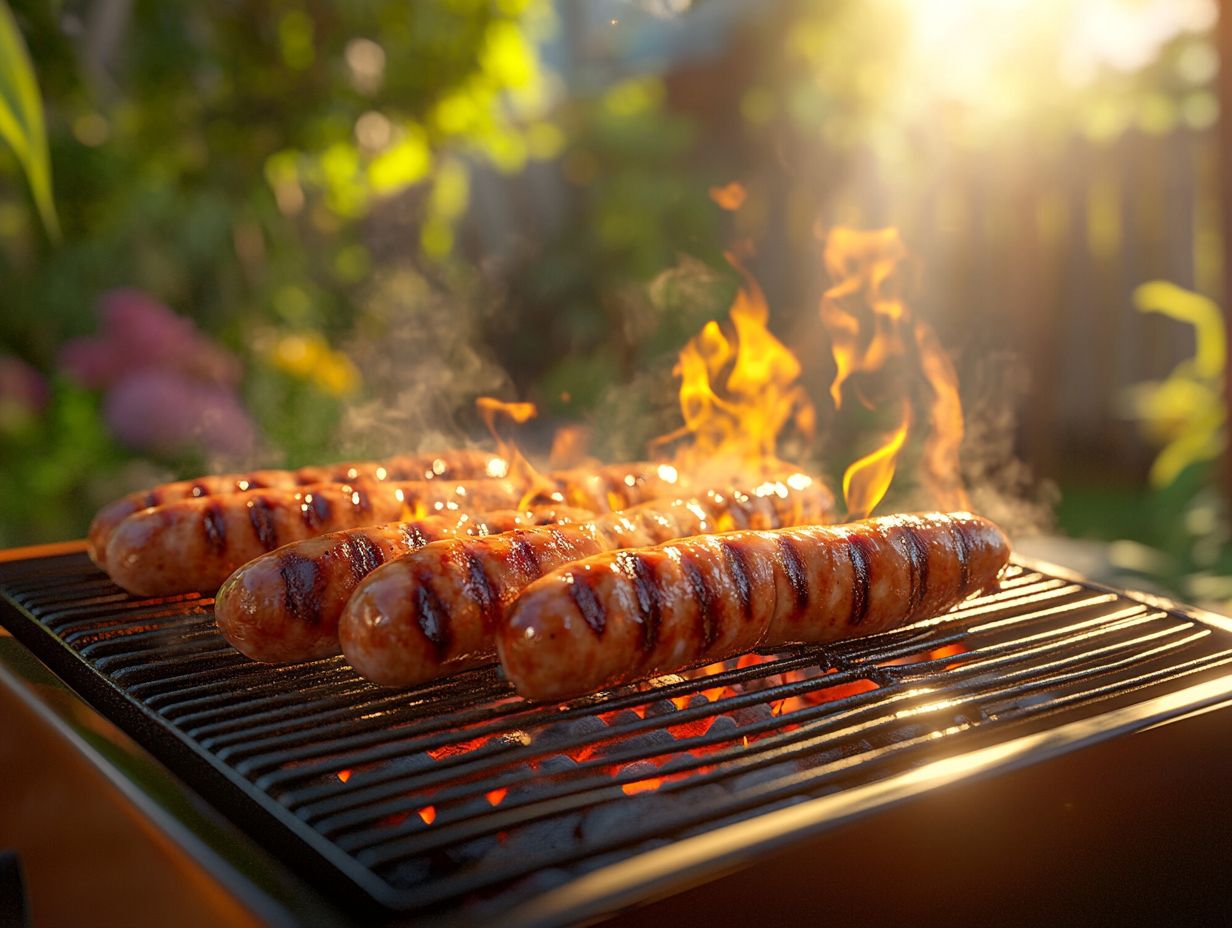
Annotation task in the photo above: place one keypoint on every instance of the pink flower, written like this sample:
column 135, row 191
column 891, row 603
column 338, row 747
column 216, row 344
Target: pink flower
column 168, row 386
column 164, row 411
column 139, row 333
column 23, row 392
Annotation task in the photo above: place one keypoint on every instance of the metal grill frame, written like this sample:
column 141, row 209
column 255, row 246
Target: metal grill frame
column 322, row 862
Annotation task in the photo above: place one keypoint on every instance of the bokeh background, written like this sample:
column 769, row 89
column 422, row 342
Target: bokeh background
column 284, row 232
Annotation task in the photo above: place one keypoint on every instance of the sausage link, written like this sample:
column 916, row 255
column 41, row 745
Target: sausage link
column 284, row 605
column 611, row 487
column 195, row 544
column 632, row 614
column 459, row 464
column 435, row 611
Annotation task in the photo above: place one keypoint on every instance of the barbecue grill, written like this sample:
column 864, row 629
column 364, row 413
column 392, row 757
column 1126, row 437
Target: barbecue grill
column 459, row 802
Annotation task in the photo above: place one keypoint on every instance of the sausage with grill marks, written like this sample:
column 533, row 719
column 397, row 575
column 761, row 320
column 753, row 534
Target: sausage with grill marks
column 611, row 487
column 629, row 615
column 284, row 605
column 459, row 464
column 195, row 544
column 434, row 611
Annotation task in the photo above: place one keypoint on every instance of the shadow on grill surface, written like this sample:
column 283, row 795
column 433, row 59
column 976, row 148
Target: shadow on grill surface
column 464, row 798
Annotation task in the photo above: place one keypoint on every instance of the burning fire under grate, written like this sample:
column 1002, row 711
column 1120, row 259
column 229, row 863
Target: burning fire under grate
column 460, row 797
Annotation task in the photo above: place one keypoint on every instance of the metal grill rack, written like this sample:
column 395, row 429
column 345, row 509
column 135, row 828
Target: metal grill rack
column 459, row 798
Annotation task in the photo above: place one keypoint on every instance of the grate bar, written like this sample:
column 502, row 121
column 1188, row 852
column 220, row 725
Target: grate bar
column 1052, row 676
column 727, row 705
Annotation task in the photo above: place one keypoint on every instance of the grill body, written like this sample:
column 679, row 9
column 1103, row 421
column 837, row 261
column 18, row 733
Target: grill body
column 461, row 802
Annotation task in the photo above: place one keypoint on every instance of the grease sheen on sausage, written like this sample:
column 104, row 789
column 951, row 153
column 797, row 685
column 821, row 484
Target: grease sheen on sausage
column 458, row 464
column 195, row 544
column 435, row 610
column 629, row 615
column 284, row 605
column 612, row 487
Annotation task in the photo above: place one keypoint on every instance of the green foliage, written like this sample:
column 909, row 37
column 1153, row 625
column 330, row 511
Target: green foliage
column 49, row 462
column 21, row 118
column 1187, row 521
column 1185, row 413
column 233, row 163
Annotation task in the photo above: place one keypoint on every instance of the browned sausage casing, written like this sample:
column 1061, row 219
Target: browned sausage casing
column 625, row 616
column 434, row 611
column 610, row 487
column 459, row 464
column 195, row 544
column 284, row 606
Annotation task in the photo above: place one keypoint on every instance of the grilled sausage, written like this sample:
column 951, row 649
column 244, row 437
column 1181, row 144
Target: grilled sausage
column 611, row 487
column 629, row 615
column 434, row 611
column 284, row 606
column 195, row 544
column 461, row 464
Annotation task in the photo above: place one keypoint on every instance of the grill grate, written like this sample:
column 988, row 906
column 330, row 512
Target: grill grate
column 461, row 797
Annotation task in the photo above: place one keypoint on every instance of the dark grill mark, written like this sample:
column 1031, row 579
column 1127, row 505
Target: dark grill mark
column 588, row 604
column 793, row 566
column 857, row 550
column 151, row 499
column 433, row 616
column 261, row 516
column 414, row 535
column 962, row 554
column 479, row 586
column 299, row 582
column 359, row 499
column 523, row 558
column 733, row 554
column 705, row 602
column 214, row 524
column 649, row 606
column 365, row 556
column 308, row 512
column 917, row 559
column 322, row 508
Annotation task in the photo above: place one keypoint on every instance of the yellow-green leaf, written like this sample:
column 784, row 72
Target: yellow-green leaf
column 21, row 118
column 1204, row 314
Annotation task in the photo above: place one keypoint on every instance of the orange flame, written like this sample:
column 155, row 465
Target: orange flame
column 730, row 196
column 520, row 469
column 866, row 481
column 872, row 333
column 738, row 389
column 570, row 446
column 428, row 814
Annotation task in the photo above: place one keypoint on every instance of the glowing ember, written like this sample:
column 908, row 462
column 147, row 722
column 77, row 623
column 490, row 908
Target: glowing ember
column 344, row 775
column 428, row 814
column 642, row 786
column 496, row 797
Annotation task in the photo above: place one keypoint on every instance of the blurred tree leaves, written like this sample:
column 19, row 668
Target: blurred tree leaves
column 21, row 118
column 1184, row 413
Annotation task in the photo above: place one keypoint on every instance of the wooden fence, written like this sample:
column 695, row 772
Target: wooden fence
column 1031, row 260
